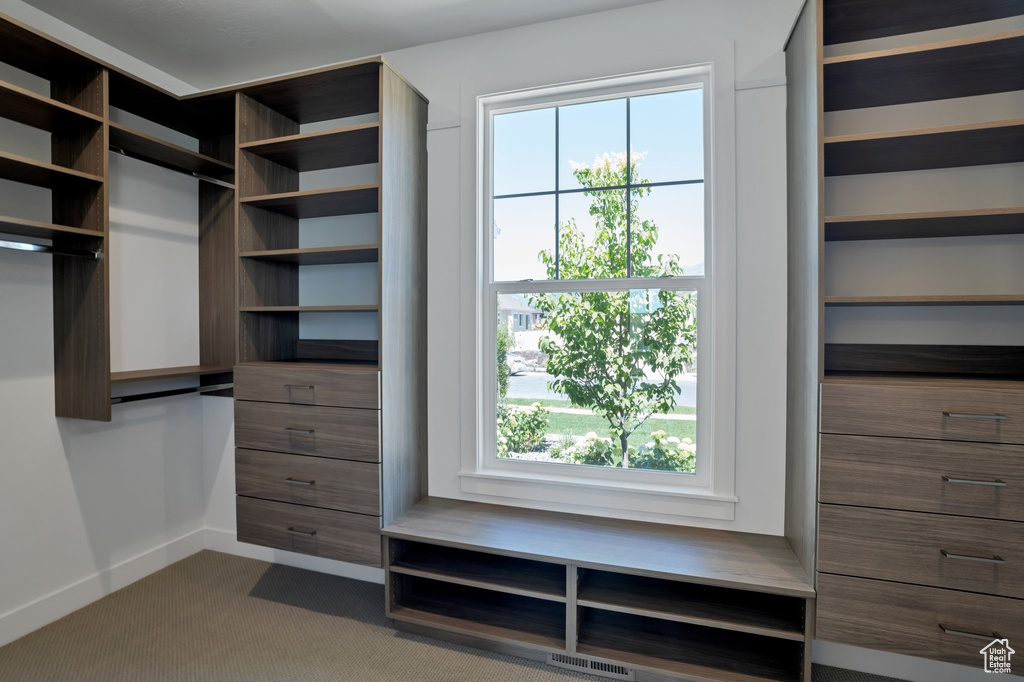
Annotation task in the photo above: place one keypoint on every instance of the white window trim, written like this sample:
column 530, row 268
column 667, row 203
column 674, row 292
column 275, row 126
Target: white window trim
column 629, row 496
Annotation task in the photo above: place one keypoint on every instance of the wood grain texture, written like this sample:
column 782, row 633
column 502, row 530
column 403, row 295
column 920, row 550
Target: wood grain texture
column 310, row 309
column 996, row 361
column 332, row 483
column 356, row 386
column 320, row 94
column 321, row 255
column 851, row 20
column 258, row 176
column 267, row 283
column 167, row 373
column 319, row 203
column 166, row 155
column 804, row 188
column 217, row 275
column 38, row 111
column 336, row 432
column 908, row 411
column 902, row 473
column 338, row 535
column 971, row 144
column 257, row 121
column 966, row 223
column 965, row 67
column 70, row 236
column 759, row 563
column 335, row 350
column 925, row 299
column 267, row 337
column 349, row 146
column 908, row 547
column 403, row 293
column 905, row 619
column 41, row 173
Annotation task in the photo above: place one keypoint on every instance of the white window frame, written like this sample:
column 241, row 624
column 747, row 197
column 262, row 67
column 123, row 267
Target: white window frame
column 612, row 491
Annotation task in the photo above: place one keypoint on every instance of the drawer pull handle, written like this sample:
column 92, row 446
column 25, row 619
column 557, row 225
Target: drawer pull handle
column 306, row 387
column 994, row 559
column 303, row 533
column 972, row 481
column 971, row 635
column 295, row 481
column 968, row 415
column 305, row 432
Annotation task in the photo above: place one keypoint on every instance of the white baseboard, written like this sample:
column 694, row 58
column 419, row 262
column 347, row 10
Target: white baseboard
column 220, row 540
column 24, row 619
column 899, row 666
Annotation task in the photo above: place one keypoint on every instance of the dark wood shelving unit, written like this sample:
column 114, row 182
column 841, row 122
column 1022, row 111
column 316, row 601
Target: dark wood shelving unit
column 41, row 173
column 847, row 21
column 31, row 109
column 166, row 155
column 973, row 144
column 41, row 230
column 319, row 203
column 955, row 68
column 999, row 362
column 323, row 255
column 309, row 308
column 929, row 300
column 349, row 146
column 965, row 223
column 166, row 373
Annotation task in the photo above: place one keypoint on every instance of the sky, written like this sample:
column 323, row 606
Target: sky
column 666, row 128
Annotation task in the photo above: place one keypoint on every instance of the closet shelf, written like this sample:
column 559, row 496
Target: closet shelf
column 41, row 230
column 846, row 21
column 980, row 65
column 972, row 144
column 947, row 300
column 40, row 173
column 167, row 373
column 158, row 152
column 309, row 308
column 38, row 111
column 319, row 203
column 968, row 223
column 327, row 255
column 350, row 146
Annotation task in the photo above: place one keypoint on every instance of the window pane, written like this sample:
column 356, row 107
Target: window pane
column 524, row 152
column 668, row 231
column 592, row 234
column 667, row 136
column 592, row 144
column 523, row 228
column 600, row 379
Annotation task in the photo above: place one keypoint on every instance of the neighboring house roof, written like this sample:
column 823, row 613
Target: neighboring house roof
column 515, row 303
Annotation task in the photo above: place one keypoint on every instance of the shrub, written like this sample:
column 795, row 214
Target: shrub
column 592, row 450
column 521, row 429
column 666, row 453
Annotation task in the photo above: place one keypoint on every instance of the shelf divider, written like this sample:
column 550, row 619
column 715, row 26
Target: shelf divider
column 847, row 21
column 967, row 223
column 319, row 203
column 166, row 373
column 929, row 300
column 38, row 111
column 326, row 255
column 158, row 152
column 309, row 308
column 349, row 146
column 40, row 230
column 41, row 173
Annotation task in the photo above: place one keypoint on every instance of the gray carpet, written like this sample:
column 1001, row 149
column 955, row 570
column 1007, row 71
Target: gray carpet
column 220, row 618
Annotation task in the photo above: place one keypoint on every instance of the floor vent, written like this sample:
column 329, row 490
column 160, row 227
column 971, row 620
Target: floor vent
column 585, row 665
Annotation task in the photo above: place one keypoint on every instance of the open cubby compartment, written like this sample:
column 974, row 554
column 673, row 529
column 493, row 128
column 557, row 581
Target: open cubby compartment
column 846, row 21
column 686, row 649
column 721, row 607
column 539, row 579
column 478, row 611
column 924, row 360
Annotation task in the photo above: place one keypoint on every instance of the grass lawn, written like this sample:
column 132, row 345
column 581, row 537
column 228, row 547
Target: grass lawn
column 565, row 403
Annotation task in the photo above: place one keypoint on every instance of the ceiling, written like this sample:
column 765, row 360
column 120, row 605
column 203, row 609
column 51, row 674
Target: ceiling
column 210, row 43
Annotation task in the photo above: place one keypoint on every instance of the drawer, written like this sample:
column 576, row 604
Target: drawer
column 944, row 625
column 305, row 430
column 315, row 481
column 301, row 384
column 940, row 411
column 970, row 479
column 957, row 552
column 307, row 530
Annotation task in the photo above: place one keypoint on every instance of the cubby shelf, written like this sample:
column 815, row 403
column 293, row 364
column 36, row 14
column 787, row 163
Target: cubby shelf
column 38, row 111
column 971, row 144
column 968, row 223
column 319, row 203
column 309, row 308
column 350, row 146
column 955, row 68
column 950, row 300
column 41, row 230
column 325, row 255
column 166, row 373
column 156, row 151
column 847, row 21
column 40, row 173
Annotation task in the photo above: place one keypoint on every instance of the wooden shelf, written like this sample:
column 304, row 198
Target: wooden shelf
column 38, row 111
column 950, row 300
column 704, row 653
column 955, row 68
column 40, row 230
column 327, row 255
column 929, row 359
column 946, row 147
column 319, row 203
column 166, row 373
column 736, row 610
column 40, row 173
column 351, row 146
column 969, row 223
column 846, row 21
column 309, row 308
column 158, row 152
column 488, row 571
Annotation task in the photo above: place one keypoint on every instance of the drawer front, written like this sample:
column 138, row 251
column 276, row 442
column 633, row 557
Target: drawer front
column 980, row 555
column 314, row 481
column 307, row 530
column 305, row 430
column 969, row 479
column 909, row 619
column 300, row 385
column 942, row 412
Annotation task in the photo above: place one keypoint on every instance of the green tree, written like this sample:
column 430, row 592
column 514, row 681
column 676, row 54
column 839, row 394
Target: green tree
column 504, row 343
column 616, row 353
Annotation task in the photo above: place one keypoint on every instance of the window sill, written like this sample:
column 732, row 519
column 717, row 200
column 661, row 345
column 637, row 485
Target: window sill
column 657, row 503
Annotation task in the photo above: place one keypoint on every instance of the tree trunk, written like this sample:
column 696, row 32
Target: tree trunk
column 624, row 442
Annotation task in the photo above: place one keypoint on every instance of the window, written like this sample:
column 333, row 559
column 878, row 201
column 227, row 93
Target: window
column 596, row 202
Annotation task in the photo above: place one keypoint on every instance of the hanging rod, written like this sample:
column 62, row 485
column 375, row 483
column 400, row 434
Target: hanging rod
column 194, row 174
column 55, row 250
column 166, row 394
